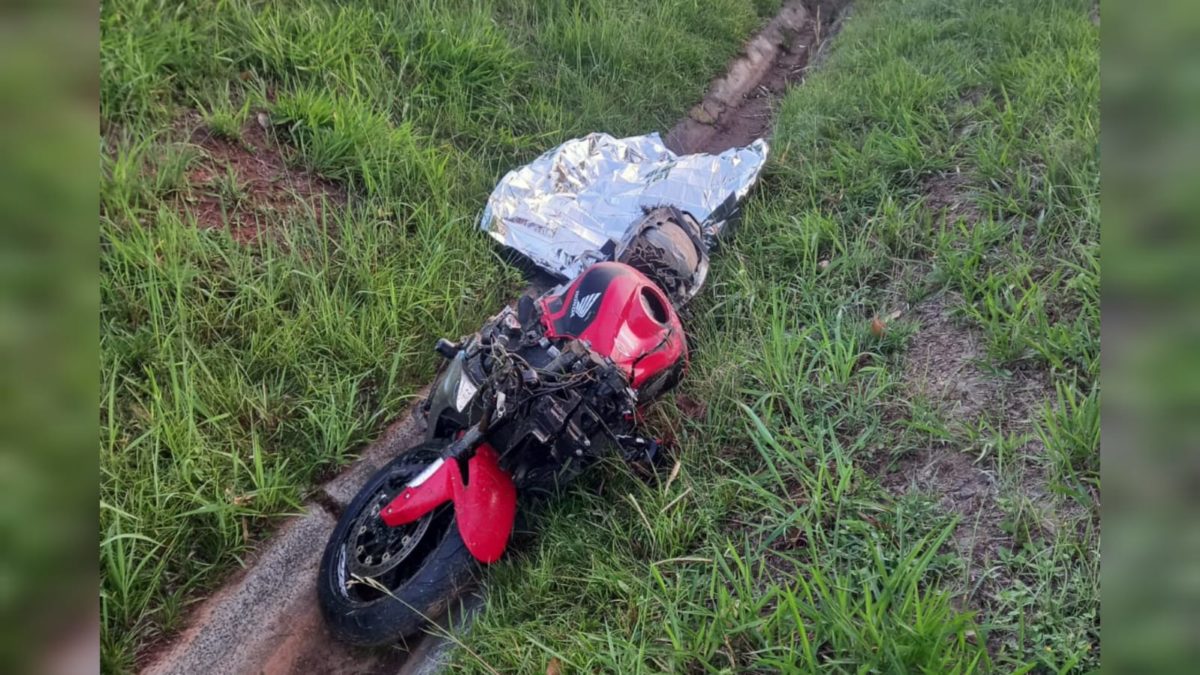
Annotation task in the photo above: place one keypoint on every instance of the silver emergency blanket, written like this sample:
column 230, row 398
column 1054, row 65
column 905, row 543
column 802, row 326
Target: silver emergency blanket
column 577, row 204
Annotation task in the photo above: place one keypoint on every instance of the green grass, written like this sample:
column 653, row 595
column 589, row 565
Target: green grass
column 235, row 375
column 777, row 548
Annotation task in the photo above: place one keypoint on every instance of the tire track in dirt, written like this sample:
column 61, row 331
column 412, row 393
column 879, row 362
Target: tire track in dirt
column 266, row 619
column 944, row 366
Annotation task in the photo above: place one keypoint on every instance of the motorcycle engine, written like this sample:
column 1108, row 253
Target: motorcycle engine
column 548, row 406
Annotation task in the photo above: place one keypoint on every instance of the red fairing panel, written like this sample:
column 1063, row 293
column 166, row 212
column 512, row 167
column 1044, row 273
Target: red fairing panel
column 484, row 507
column 624, row 316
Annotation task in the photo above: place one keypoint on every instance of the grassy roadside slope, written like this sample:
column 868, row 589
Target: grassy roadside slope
column 234, row 374
column 842, row 503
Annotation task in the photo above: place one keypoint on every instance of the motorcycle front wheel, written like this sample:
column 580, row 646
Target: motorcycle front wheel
column 378, row 584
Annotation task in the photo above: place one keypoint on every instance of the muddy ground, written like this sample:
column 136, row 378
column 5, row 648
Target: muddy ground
column 739, row 106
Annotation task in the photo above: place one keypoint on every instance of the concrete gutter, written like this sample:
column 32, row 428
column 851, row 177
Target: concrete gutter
column 697, row 131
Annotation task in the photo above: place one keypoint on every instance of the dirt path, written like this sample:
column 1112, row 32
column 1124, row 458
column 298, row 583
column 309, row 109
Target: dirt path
column 266, row 620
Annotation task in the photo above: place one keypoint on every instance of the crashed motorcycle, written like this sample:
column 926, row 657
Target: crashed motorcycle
column 536, row 396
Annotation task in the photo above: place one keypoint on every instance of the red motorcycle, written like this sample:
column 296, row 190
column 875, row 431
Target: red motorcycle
column 521, row 407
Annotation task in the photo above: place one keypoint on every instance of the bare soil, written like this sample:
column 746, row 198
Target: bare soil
column 946, row 363
column 309, row 648
column 946, row 195
column 247, row 186
column 944, row 367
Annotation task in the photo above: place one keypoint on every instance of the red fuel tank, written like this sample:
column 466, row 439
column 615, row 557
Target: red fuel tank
column 623, row 315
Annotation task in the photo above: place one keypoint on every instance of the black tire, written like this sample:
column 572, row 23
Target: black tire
column 436, row 569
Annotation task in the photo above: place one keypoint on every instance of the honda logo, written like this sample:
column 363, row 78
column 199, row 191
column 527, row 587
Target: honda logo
column 581, row 306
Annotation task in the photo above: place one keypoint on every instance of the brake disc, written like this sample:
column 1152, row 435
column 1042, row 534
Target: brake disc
column 373, row 548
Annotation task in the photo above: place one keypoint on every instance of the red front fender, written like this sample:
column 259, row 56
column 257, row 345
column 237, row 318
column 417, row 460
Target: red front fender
column 484, row 504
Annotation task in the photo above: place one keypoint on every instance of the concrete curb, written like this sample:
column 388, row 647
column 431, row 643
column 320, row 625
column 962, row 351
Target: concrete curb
column 247, row 621
column 432, row 655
